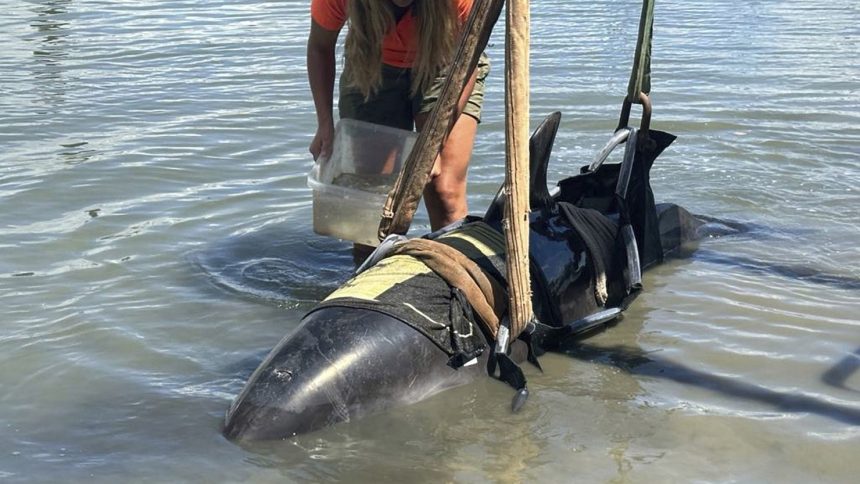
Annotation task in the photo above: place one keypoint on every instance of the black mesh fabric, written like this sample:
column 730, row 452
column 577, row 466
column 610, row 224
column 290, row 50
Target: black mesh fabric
column 596, row 190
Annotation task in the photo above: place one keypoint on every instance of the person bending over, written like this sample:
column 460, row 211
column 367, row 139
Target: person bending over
column 396, row 54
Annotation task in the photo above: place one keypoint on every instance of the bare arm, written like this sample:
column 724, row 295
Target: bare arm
column 321, row 73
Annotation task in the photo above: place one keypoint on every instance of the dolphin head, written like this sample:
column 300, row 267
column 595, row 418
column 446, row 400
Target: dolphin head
column 339, row 365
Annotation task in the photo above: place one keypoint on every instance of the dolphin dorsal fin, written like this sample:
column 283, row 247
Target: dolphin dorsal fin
column 540, row 148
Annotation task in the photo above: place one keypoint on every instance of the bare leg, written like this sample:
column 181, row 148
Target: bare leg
column 445, row 193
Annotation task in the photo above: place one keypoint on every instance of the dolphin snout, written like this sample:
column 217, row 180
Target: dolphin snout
column 280, row 402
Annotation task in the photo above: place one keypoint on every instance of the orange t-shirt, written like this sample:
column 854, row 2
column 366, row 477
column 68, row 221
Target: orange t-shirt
column 399, row 47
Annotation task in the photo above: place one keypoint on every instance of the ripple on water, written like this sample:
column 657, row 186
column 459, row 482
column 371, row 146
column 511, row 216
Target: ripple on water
column 295, row 271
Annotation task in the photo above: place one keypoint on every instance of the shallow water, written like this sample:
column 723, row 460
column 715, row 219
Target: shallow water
column 156, row 243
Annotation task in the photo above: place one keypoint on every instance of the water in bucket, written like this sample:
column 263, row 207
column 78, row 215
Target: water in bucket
column 350, row 186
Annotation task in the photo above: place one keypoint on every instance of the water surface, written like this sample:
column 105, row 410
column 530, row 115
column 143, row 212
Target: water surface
column 155, row 243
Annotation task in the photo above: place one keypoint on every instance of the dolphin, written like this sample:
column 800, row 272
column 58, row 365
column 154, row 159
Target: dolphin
column 350, row 358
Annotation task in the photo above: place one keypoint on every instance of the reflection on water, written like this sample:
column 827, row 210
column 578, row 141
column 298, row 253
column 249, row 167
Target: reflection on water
column 156, row 242
column 637, row 362
column 807, row 274
column 844, row 370
column 49, row 52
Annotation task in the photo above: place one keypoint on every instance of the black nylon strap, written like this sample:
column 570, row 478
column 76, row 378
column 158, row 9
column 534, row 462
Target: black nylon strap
column 463, row 323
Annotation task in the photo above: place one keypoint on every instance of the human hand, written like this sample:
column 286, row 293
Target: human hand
column 322, row 142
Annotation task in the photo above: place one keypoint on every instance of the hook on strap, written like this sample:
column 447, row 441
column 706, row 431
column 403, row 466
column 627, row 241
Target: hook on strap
column 639, row 87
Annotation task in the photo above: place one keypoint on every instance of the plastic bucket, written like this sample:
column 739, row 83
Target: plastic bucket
column 350, row 187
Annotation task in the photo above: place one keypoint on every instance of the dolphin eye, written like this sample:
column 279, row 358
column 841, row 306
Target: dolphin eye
column 283, row 374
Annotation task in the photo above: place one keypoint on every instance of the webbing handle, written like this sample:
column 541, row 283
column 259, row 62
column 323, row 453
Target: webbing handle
column 640, row 77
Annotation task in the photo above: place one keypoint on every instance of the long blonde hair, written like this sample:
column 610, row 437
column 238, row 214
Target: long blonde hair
column 371, row 20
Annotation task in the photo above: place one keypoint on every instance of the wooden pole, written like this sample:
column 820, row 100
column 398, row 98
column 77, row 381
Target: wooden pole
column 517, row 163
